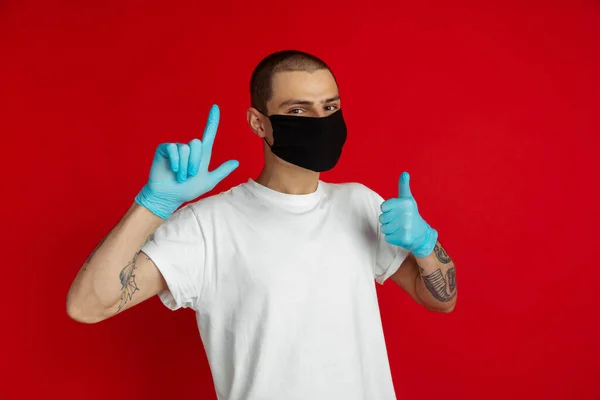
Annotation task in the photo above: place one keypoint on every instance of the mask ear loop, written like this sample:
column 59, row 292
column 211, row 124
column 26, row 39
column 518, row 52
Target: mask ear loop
column 265, row 139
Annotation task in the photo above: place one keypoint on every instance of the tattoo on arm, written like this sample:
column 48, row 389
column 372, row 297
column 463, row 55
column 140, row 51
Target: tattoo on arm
column 451, row 275
column 127, row 278
column 128, row 285
column 442, row 288
column 441, row 254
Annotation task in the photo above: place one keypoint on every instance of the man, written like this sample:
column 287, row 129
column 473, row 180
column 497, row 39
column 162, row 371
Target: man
column 280, row 270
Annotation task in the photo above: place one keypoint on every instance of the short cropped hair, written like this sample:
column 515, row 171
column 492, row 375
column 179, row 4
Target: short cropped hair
column 261, row 82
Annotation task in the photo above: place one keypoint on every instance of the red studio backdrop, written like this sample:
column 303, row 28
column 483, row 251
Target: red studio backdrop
column 492, row 108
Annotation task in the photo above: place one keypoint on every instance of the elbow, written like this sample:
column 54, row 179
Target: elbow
column 78, row 313
column 449, row 309
column 82, row 318
column 443, row 309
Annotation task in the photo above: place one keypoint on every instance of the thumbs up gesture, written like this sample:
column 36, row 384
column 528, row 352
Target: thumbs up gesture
column 402, row 224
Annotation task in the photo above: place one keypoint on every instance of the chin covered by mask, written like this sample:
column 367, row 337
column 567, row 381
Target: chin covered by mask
column 309, row 142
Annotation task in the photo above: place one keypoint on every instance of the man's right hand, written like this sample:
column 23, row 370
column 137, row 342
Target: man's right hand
column 180, row 173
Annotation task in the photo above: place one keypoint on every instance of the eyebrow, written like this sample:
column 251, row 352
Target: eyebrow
column 294, row 102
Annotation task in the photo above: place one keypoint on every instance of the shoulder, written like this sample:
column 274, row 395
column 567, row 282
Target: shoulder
column 354, row 193
column 354, row 190
column 217, row 203
column 200, row 216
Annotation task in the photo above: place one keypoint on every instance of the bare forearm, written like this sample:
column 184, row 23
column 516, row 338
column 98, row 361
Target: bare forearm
column 107, row 279
column 435, row 283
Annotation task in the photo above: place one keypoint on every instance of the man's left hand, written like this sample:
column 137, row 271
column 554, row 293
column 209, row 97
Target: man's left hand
column 402, row 224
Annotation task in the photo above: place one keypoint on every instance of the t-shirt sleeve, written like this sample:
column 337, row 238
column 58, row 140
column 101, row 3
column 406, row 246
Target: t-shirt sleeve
column 177, row 250
column 388, row 257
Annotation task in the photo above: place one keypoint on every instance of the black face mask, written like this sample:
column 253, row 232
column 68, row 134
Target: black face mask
column 309, row 142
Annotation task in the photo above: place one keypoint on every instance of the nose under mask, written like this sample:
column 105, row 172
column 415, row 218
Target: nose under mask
column 309, row 142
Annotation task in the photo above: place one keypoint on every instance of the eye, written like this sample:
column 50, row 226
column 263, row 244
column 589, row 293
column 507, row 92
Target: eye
column 296, row 111
column 331, row 107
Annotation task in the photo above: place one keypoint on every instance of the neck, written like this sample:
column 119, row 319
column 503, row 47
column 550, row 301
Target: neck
column 288, row 179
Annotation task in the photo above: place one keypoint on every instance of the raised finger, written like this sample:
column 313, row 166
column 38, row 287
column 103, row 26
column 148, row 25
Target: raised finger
column 195, row 157
column 184, row 155
column 169, row 150
column 210, row 131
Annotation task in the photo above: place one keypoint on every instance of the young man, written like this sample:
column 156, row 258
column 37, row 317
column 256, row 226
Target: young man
column 280, row 270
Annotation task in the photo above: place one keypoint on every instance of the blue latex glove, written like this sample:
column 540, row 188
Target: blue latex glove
column 180, row 173
column 402, row 224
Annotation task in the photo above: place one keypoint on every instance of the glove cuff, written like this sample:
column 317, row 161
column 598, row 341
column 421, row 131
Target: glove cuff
column 427, row 247
column 160, row 206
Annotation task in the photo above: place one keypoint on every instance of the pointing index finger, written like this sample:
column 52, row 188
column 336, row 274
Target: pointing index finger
column 210, row 131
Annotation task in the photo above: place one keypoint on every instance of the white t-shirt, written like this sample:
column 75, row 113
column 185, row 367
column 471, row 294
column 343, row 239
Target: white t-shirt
column 284, row 290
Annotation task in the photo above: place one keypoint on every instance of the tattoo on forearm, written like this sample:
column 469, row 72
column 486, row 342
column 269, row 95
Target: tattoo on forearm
column 442, row 288
column 89, row 258
column 441, row 254
column 451, row 275
column 128, row 284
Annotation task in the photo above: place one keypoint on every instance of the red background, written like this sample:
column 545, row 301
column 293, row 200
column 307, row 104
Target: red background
column 493, row 109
